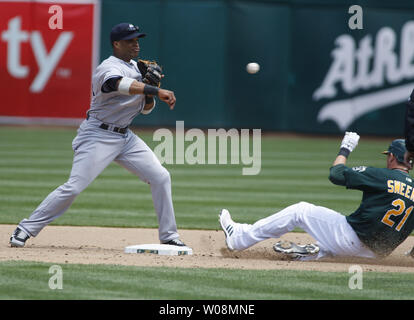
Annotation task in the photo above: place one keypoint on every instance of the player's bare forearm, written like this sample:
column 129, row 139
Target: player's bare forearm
column 136, row 87
column 339, row 160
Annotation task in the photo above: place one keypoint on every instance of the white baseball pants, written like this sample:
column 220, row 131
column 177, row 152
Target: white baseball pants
column 95, row 149
column 334, row 236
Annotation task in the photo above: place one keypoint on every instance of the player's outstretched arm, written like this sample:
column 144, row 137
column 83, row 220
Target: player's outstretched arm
column 131, row 86
column 348, row 144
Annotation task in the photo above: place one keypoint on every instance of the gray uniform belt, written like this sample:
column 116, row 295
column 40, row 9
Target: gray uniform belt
column 110, row 127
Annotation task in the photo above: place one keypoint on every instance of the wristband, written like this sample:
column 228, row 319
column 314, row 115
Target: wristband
column 151, row 90
column 124, row 85
column 344, row 152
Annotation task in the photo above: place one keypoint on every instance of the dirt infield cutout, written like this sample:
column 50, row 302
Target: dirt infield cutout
column 96, row 245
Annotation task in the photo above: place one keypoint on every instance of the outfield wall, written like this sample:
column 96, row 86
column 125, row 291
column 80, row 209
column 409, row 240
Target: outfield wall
column 317, row 75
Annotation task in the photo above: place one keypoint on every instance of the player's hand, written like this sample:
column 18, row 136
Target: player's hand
column 408, row 159
column 168, row 97
column 350, row 141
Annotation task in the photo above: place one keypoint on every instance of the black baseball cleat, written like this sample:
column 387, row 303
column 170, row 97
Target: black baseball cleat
column 18, row 238
column 175, row 242
column 296, row 251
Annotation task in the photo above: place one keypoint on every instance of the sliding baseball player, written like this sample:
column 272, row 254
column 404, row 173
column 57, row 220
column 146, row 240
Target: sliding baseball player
column 382, row 222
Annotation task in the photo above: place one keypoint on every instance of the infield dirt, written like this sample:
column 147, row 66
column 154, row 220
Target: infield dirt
column 96, row 245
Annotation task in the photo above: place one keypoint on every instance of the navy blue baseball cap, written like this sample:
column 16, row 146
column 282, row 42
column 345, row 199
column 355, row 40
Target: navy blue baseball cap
column 125, row 31
column 397, row 148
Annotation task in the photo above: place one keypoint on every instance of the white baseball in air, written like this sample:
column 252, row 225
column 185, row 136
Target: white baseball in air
column 252, row 67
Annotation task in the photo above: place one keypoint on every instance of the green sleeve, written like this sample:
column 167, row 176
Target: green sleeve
column 336, row 174
column 366, row 178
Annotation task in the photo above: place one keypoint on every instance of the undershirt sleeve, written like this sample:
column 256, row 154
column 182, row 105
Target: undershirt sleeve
column 110, row 85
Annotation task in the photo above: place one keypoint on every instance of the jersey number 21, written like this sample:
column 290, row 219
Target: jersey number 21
column 400, row 208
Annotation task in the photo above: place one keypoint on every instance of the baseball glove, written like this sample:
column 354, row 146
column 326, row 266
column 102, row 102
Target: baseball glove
column 151, row 72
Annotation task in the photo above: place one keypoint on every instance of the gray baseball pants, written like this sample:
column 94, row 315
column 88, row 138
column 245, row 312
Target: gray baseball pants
column 94, row 149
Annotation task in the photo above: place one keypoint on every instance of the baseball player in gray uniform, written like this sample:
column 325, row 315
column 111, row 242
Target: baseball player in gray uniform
column 120, row 93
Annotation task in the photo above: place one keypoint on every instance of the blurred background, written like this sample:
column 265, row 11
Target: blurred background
column 316, row 74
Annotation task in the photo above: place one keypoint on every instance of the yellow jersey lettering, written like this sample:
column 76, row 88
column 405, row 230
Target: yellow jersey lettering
column 397, row 186
column 408, row 191
column 403, row 185
column 390, row 184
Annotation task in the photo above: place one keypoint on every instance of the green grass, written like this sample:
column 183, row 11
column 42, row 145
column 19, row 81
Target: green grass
column 30, row 280
column 34, row 161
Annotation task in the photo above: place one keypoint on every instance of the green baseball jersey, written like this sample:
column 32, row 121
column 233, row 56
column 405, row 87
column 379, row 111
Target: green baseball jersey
column 384, row 218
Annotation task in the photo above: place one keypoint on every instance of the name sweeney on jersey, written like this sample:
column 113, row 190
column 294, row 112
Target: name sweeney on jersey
column 395, row 186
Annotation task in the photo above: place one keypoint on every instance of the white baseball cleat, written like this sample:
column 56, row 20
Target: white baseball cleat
column 18, row 238
column 227, row 224
column 296, row 251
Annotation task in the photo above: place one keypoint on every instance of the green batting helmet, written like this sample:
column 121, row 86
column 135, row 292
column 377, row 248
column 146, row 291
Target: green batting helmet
column 397, row 148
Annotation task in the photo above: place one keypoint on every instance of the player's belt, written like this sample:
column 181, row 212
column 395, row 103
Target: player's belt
column 109, row 127
column 114, row 129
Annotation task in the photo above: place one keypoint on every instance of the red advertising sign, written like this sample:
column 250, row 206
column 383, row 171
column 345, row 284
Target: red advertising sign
column 47, row 54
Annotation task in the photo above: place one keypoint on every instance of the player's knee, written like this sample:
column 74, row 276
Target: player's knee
column 72, row 189
column 301, row 209
column 304, row 204
column 300, row 205
column 162, row 177
column 165, row 177
column 305, row 207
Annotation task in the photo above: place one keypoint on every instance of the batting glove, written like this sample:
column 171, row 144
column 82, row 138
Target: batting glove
column 350, row 141
column 348, row 144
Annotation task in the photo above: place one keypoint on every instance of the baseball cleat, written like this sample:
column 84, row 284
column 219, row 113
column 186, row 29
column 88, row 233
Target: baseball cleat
column 18, row 238
column 175, row 242
column 296, row 251
column 227, row 224
column 410, row 253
